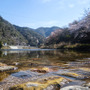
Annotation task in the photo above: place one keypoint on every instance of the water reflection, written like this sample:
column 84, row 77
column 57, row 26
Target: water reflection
column 43, row 56
column 55, row 54
column 60, row 59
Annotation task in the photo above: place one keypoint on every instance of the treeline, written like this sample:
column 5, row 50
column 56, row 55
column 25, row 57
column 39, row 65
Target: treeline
column 15, row 35
column 77, row 33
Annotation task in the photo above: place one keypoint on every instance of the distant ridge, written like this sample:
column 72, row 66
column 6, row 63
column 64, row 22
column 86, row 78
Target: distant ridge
column 30, row 35
column 16, row 35
column 46, row 31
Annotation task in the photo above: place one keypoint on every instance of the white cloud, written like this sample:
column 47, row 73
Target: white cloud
column 71, row 5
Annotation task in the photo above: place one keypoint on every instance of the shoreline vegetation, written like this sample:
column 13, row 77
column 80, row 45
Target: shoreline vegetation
column 62, row 46
column 19, row 47
column 68, row 46
column 76, row 36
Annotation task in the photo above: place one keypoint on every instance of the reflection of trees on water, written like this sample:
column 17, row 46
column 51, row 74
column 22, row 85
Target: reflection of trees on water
column 1, row 53
column 52, row 55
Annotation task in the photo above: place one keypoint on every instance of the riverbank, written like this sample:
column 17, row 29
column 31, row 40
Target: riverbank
column 45, row 70
column 68, row 46
column 19, row 47
column 47, row 78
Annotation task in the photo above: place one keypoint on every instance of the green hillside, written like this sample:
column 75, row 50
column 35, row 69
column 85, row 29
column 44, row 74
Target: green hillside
column 46, row 31
column 31, row 36
column 77, row 33
column 15, row 35
column 9, row 35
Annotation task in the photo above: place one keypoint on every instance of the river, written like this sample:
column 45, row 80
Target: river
column 73, row 65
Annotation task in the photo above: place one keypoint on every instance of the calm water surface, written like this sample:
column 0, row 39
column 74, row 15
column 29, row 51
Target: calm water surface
column 26, row 59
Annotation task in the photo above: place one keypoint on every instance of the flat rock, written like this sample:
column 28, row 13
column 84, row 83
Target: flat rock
column 53, row 87
column 5, row 68
column 76, row 87
column 49, row 83
column 25, row 74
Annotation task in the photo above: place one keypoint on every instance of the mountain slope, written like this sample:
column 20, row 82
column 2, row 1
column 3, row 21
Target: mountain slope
column 9, row 35
column 80, row 31
column 77, row 32
column 46, row 31
column 30, row 35
column 15, row 35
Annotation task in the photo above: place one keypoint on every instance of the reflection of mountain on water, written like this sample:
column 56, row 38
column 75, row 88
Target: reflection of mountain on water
column 5, row 52
column 14, row 51
column 14, row 54
column 44, row 55
column 68, row 63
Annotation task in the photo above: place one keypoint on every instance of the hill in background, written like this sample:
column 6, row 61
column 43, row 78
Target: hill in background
column 46, row 31
column 30, row 35
column 78, row 32
column 16, row 35
column 9, row 35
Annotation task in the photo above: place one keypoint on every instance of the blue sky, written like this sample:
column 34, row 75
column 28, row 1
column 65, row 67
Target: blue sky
column 42, row 13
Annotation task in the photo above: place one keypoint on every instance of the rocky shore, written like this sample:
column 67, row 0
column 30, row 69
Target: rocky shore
column 35, row 75
column 46, row 78
column 4, row 67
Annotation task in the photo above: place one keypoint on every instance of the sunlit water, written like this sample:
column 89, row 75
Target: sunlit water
column 26, row 59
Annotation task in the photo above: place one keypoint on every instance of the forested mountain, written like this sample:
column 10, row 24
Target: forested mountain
column 77, row 32
column 30, row 35
column 15, row 35
column 46, row 31
column 9, row 35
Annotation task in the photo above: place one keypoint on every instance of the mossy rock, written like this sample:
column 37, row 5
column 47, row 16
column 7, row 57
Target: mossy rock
column 51, row 83
column 55, row 86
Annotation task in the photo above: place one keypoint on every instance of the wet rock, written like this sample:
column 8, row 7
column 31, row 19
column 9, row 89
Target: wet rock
column 45, row 69
column 2, row 64
column 40, row 69
column 1, row 89
column 6, row 68
column 16, row 63
column 27, row 79
column 87, row 85
column 49, row 83
column 32, row 85
column 53, row 87
column 71, row 74
column 76, row 87
column 3, row 75
column 35, row 87
column 85, row 69
column 16, row 88
column 33, row 64
column 25, row 74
